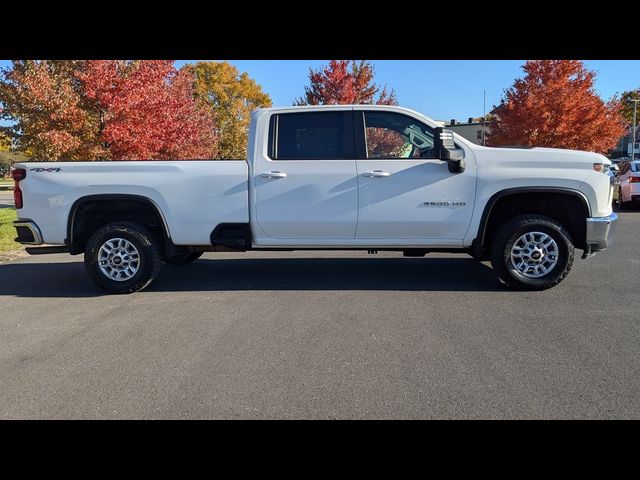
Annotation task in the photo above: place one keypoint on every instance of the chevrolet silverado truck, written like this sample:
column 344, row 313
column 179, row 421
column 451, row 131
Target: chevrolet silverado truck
column 348, row 177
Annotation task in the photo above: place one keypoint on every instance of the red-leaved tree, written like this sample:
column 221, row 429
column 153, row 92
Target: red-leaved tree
column 555, row 105
column 345, row 82
column 105, row 109
column 147, row 110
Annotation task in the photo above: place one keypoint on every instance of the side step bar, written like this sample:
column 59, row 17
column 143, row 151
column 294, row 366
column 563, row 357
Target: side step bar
column 47, row 250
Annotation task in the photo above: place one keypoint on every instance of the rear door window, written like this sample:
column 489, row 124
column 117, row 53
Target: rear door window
column 311, row 136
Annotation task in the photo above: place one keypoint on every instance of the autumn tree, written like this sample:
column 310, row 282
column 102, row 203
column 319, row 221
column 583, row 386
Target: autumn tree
column 231, row 96
column 555, row 105
column 147, row 110
column 105, row 109
column 5, row 142
column 44, row 103
column 344, row 82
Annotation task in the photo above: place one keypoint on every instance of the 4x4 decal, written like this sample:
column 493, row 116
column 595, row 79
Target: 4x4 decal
column 50, row 169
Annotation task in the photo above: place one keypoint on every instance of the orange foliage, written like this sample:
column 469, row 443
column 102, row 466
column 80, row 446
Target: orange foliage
column 555, row 105
column 345, row 82
column 105, row 109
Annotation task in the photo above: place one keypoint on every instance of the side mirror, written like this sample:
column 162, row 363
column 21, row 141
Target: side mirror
column 446, row 148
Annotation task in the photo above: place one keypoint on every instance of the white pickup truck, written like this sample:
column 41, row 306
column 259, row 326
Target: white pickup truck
column 325, row 178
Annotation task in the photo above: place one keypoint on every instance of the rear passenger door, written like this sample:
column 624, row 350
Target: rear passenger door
column 306, row 189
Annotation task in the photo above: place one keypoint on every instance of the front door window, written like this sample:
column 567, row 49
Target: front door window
column 394, row 136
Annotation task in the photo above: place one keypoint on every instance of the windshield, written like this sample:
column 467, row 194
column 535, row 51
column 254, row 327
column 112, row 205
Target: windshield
column 635, row 167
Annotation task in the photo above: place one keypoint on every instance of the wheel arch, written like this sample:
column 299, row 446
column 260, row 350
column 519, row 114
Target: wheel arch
column 79, row 205
column 483, row 237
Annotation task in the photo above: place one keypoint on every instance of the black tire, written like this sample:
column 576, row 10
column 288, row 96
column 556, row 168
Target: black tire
column 511, row 231
column 149, row 257
column 183, row 258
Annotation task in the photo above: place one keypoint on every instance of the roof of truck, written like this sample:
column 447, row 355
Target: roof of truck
column 344, row 107
column 394, row 108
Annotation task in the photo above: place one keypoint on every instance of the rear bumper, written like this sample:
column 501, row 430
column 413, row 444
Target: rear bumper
column 631, row 192
column 600, row 231
column 28, row 232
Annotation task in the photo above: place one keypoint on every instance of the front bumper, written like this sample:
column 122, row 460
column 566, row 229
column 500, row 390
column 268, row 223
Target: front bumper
column 600, row 231
column 28, row 232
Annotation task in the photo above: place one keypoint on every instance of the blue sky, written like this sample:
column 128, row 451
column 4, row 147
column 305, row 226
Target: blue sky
column 441, row 89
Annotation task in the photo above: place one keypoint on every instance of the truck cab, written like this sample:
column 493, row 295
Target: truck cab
column 357, row 177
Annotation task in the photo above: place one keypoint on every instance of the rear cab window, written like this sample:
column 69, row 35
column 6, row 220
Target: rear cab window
column 311, row 136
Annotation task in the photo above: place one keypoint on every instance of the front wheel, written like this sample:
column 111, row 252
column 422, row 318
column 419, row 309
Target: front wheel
column 532, row 252
column 122, row 257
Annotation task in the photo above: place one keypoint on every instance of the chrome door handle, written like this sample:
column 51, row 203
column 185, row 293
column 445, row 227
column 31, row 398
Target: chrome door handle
column 273, row 175
column 377, row 173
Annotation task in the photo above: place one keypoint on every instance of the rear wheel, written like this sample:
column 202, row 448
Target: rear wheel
column 122, row 257
column 183, row 258
column 532, row 252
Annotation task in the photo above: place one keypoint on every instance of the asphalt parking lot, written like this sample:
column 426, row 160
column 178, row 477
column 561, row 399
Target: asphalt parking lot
column 323, row 335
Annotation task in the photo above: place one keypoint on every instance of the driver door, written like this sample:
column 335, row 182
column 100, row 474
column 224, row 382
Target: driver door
column 404, row 190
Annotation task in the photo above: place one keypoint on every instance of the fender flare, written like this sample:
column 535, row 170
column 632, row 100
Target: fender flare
column 106, row 197
column 477, row 245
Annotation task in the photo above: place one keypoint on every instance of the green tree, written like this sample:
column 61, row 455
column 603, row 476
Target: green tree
column 232, row 96
column 8, row 158
column 627, row 105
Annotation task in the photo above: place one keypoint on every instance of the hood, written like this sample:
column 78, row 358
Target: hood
column 548, row 154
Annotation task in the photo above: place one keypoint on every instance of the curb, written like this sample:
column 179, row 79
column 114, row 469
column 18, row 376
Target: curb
column 11, row 255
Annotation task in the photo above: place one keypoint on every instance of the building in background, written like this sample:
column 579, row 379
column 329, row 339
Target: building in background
column 474, row 130
column 622, row 150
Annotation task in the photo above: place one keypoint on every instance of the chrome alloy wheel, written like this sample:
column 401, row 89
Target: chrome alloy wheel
column 534, row 254
column 118, row 259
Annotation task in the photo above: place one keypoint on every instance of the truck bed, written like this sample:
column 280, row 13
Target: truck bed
column 192, row 196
